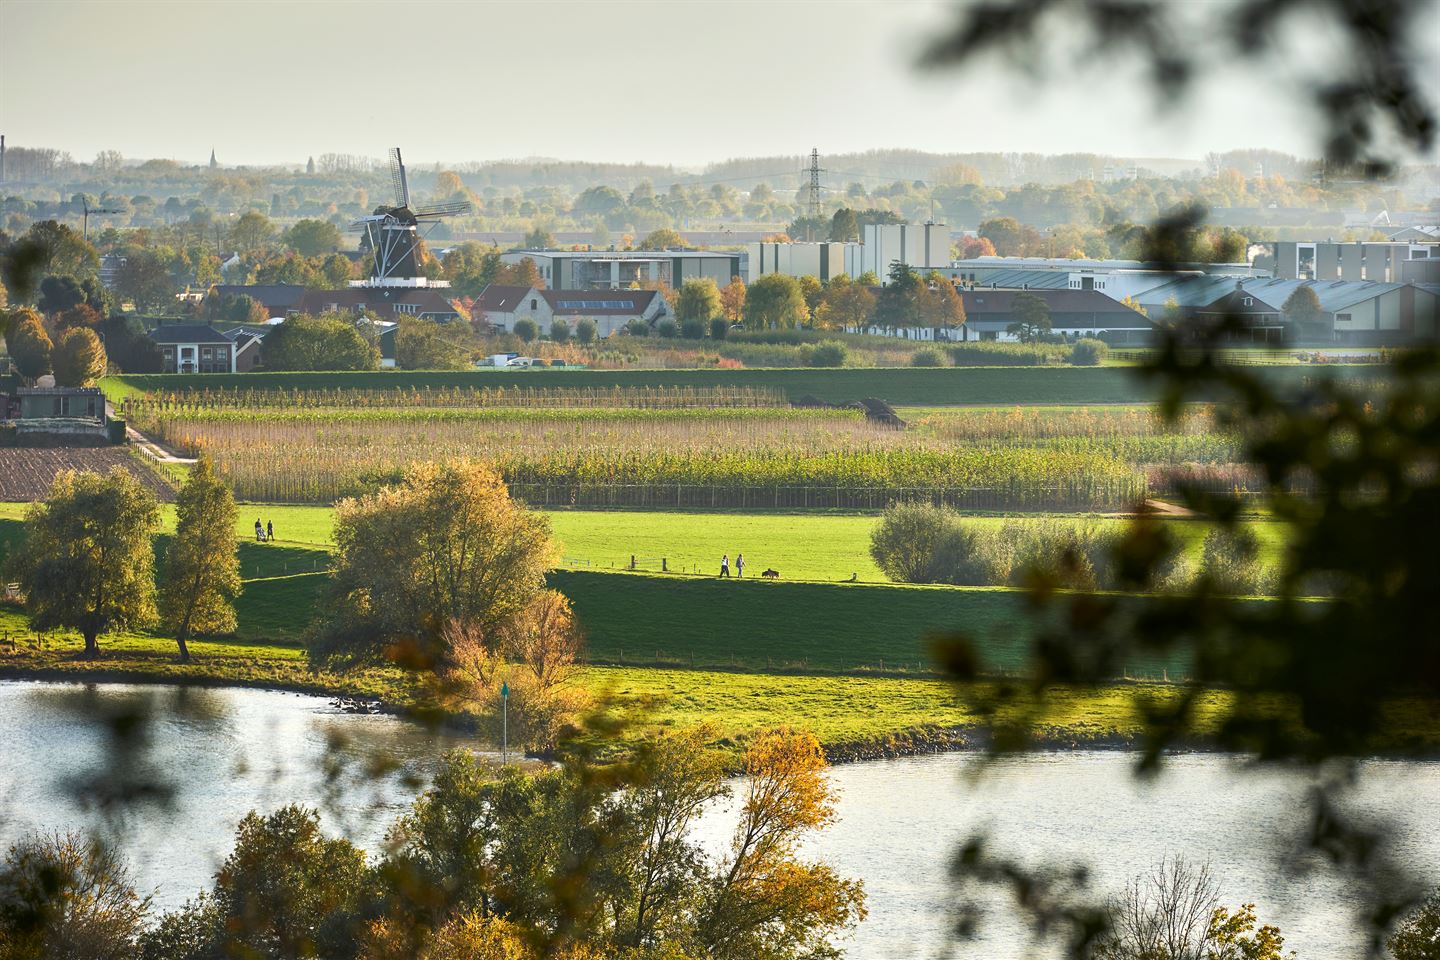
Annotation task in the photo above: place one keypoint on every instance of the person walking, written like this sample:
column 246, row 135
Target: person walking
column 259, row 531
column 739, row 564
column 269, row 530
column 725, row 565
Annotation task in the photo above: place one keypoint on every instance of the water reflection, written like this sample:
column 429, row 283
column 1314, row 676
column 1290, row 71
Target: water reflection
column 229, row 751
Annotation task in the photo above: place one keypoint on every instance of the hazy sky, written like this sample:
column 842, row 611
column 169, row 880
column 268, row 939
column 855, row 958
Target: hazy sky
column 665, row 81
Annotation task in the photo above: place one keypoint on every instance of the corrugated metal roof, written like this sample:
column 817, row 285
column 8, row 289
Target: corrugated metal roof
column 1195, row 292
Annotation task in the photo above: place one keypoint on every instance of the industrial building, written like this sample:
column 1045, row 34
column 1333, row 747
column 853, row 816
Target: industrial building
column 616, row 269
column 824, row 260
column 1327, row 260
column 923, row 246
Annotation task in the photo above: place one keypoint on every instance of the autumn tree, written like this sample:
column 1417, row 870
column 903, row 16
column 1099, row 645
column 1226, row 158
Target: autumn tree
column 775, row 301
column 663, row 239
column 940, row 304
column 310, row 238
column 202, row 565
column 78, row 358
column 430, row 345
column 732, row 300
column 699, row 301
column 29, row 345
column 810, row 289
column 539, row 239
column 447, row 545
column 87, row 562
column 845, row 305
column 145, row 280
column 68, row 897
column 765, row 901
column 1029, row 318
column 1418, row 936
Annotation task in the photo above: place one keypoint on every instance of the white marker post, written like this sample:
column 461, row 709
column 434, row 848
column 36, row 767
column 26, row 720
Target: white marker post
column 504, row 722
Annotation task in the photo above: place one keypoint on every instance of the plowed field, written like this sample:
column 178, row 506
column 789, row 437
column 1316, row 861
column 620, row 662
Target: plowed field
column 27, row 472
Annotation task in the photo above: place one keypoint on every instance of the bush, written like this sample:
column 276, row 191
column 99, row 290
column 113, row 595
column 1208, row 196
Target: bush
column 585, row 331
column 719, row 328
column 637, row 328
column 992, row 354
column 692, row 328
column 1089, row 352
column 668, row 329
column 559, row 331
column 908, row 539
column 1230, row 562
column 830, row 353
column 927, row 357
column 526, row 329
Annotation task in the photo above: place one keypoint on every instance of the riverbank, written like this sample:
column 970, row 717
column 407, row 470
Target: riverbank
column 854, row 717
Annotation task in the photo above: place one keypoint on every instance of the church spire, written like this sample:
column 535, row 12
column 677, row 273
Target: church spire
column 213, row 164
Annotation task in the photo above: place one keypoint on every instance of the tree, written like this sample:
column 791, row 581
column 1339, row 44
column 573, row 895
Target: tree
column 901, row 300
column 326, row 342
column 81, row 315
column 585, row 331
column 765, row 902
column 663, row 239
column 310, row 238
column 843, row 226
column 810, row 289
column 1029, row 318
column 447, row 546
column 233, row 308
column 145, row 280
column 526, row 329
column 65, row 897
column 732, row 300
column 428, row 345
column 559, row 330
column 252, row 232
column 539, row 239
column 1418, row 937
column 78, row 358
column 286, row 892
column 59, row 293
column 1302, row 311
column 88, row 563
column 1164, row 913
column 972, row 247
column 47, row 248
column 29, row 345
column 940, row 304
column 699, row 301
column 775, row 301
column 202, row 565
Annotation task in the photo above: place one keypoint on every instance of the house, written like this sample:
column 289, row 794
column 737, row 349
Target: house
column 247, row 342
column 1359, row 312
column 387, row 302
column 501, row 305
column 64, row 414
column 194, row 348
column 86, row 403
column 278, row 299
column 610, row 310
column 1073, row 313
column 616, row 269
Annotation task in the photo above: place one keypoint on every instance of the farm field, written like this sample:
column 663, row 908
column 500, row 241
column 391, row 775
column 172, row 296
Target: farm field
column 27, row 472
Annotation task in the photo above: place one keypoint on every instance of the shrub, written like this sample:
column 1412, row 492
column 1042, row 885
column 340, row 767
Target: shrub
column 692, row 328
column 1089, row 352
column 526, row 329
column 668, row 329
column 830, row 353
column 907, row 539
column 585, row 331
column 559, row 331
column 1230, row 562
column 992, row 354
column 927, row 357
column 719, row 328
column 637, row 328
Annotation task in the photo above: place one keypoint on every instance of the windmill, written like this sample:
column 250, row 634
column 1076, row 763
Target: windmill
column 394, row 233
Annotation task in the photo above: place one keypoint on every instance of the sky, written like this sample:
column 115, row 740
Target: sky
column 664, row 81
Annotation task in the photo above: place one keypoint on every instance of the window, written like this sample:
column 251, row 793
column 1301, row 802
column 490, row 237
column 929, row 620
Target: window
column 1248, row 302
column 206, row 353
column 595, row 304
column 407, row 308
column 533, row 304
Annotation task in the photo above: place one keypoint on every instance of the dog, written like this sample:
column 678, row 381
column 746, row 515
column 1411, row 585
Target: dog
column 771, row 574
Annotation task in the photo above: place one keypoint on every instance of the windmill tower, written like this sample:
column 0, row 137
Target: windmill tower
column 394, row 233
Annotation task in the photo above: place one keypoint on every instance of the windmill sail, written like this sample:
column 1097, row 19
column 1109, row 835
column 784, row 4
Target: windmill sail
column 393, row 234
column 397, row 179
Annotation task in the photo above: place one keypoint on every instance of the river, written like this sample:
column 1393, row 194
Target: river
column 898, row 824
